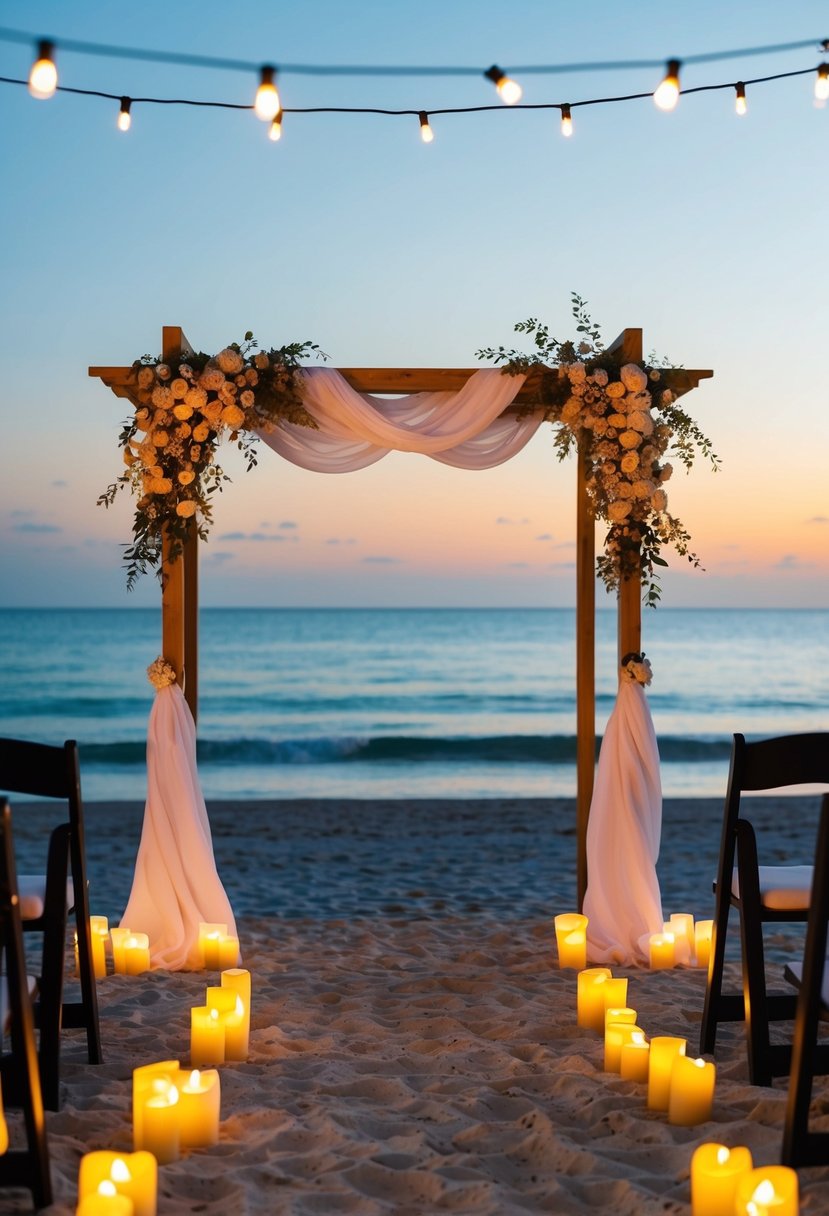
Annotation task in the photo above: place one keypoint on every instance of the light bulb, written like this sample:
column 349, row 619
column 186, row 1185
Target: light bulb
column 509, row 90
column 43, row 78
column 426, row 132
column 566, row 121
column 822, row 83
column 275, row 132
column 266, row 106
column 740, row 104
column 124, row 116
column 667, row 95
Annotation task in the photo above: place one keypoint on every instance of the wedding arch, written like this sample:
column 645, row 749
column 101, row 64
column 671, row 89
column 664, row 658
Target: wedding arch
column 504, row 403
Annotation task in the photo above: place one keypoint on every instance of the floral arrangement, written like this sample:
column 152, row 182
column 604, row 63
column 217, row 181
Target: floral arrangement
column 636, row 668
column 183, row 409
column 628, row 421
column 160, row 673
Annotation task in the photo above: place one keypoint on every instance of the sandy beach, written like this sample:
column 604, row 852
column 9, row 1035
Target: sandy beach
column 414, row 1046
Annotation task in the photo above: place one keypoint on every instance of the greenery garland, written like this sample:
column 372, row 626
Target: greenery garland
column 630, row 422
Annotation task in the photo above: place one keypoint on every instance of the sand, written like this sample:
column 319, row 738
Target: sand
column 414, row 1047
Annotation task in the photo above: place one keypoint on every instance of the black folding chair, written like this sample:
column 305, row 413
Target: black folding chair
column 810, row 1058
column 19, row 1070
column 54, row 772
column 760, row 894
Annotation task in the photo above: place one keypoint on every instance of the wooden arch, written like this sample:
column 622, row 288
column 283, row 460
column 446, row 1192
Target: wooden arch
column 180, row 591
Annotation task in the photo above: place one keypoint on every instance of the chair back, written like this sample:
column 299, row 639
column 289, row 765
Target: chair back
column 787, row 760
column 41, row 770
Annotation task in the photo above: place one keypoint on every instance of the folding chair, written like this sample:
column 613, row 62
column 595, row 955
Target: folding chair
column 760, row 894
column 54, row 772
column 809, row 1058
column 27, row 1167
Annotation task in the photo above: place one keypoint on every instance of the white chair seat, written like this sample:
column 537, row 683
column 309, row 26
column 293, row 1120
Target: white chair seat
column 782, row 888
column 794, row 974
column 31, row 983
column 32, row 891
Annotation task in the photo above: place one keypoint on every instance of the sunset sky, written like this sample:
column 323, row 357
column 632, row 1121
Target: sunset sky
column 706, row 229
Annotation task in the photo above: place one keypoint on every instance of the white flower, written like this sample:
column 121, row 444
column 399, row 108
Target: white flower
column 162, row 398
column 146, row 375
column 643, row 488
column 163, row 372
column 653, row 374
column 247, row 398
column 637, row 669
column 570, row 410
column 186, row 371
column 261, row 361
column 577, row 373
column 665, row 472
column 615, row 389
column 232, row 416
column 618, row 511
column 640, row 421
column 633, row 378
column 667, row 396
column 186, row 508
column 211, row 379
column 196, row 398
column 230, row 361
column 600, row 377
column 160, row 673
column 179, row 387
column 630, row 439
column 629, row 462
column 659, row 501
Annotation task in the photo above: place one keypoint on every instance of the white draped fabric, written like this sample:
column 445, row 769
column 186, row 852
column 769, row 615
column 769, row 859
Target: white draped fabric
column 623, row 903
column 464, row 428
column 175, row 885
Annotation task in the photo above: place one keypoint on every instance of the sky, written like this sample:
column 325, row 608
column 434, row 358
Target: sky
column 703, row 228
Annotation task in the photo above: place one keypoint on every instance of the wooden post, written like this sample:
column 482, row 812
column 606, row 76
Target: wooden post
column 585, row 666
column 629, row 604
column 191, row 618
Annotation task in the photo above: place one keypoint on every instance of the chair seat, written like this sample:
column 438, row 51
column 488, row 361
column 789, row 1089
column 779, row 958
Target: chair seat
column 782, row 888
column 31, row 984
column 32, row 891
column 794, row 974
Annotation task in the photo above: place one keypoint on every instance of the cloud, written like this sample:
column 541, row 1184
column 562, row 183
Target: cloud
column 20, row 514
column 288, row 524
column 221, row 556
column 518, row 565
column 258, row 537
column 790, row 561
column 545, row 536
column 818, row 519
column 60, row 483
column 562, row 565
column 566, row 544
column 338, row 540
column 30, row 526
column 383, row 561
column 511, row 523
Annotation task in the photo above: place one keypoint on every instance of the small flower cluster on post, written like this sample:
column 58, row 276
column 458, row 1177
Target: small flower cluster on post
column 183, row 409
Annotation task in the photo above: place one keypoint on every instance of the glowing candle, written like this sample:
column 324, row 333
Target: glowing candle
column 148, row 1080
column 160, row 1127
column 770, row 1191
column 692, row 1091
column 117, row 938
column 662, row 1053
column 199, row 1104
column 716, row 1172
column 614, row 994
column 703, row 930
column 136, row 953
column 238, row 1036
column 615, row 1036
column 661, row 951
column 4, row 1131
column 571, row 940
column 634, row 1060
column 105, row 1202
column 591, row 1002
column 613, row 1014
column 99, row 932
column 132, row 1174
column 216, row 949
column 681, row 925
column 207, row 1036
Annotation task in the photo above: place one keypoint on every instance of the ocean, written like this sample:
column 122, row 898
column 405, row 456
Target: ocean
column 363, row 703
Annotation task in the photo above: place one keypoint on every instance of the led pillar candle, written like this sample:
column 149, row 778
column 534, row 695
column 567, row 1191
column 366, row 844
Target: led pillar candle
column 614, row 994
column 237, row 1034
column 615, row 1037
column 117, row 938
column 662, row 1053
column 207, row 1036
column 4, row 1131
column 661, row 951
column 614, row 1014
column 681, row 925
column 702, row 938
column 770, row 1191
column 160, row 1123
column 136, row 953
column 199, row 1102
column 634, row 1060
column 591, row 1002
column 147, row 1081
column 99, row 932
column 692, row 1091
column 716, row 1172
column 105, row 1202
column 132, row 1174
column 216, row 949
column 571, row 940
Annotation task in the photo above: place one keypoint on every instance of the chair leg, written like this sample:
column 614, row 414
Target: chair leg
column 754, row 962
column 89, row 991
column 712, row 1009
column 52, row 968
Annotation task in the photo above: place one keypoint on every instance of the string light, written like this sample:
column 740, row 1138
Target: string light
column 566, row 121
column 275, row 132
column 509, row 90
column 667, row 95
column 822, row 83
column 43, row 78
column 426, row 132
column 266, row 105
column 740, row 104
column 124, row 116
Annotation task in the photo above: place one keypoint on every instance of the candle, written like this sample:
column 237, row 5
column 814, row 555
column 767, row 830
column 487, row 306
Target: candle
column 692, row 1091
column 207, row 1036
column 199, row 1103
column 148, row 1080
column 160, row 1123
column 661, row 951
column 715, row 1174
column 136, row 953
column 591, row 1002
column 4, row 1131
column 770, row 1191
column 634, row 1060
column 105, row 1202
column 237, row 1037
column 132, row 1174
column 681, row 925
column 662, row 1053
column 571, row 940
column 614, row 995
column 616, row 1035
column 702, row 937
column 117, row 938
column 614, row 1014
column 99, row 932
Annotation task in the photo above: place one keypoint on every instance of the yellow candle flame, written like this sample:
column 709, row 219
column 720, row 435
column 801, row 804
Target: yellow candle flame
column 699, row 1063
column 765, row 1192
column 107, row 1188
column 214, row 936
column 119, row 1171
column 637, row 1037
column 723, row 1154
column 131, row 943
column 214, row 1013
column 194, row 1081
